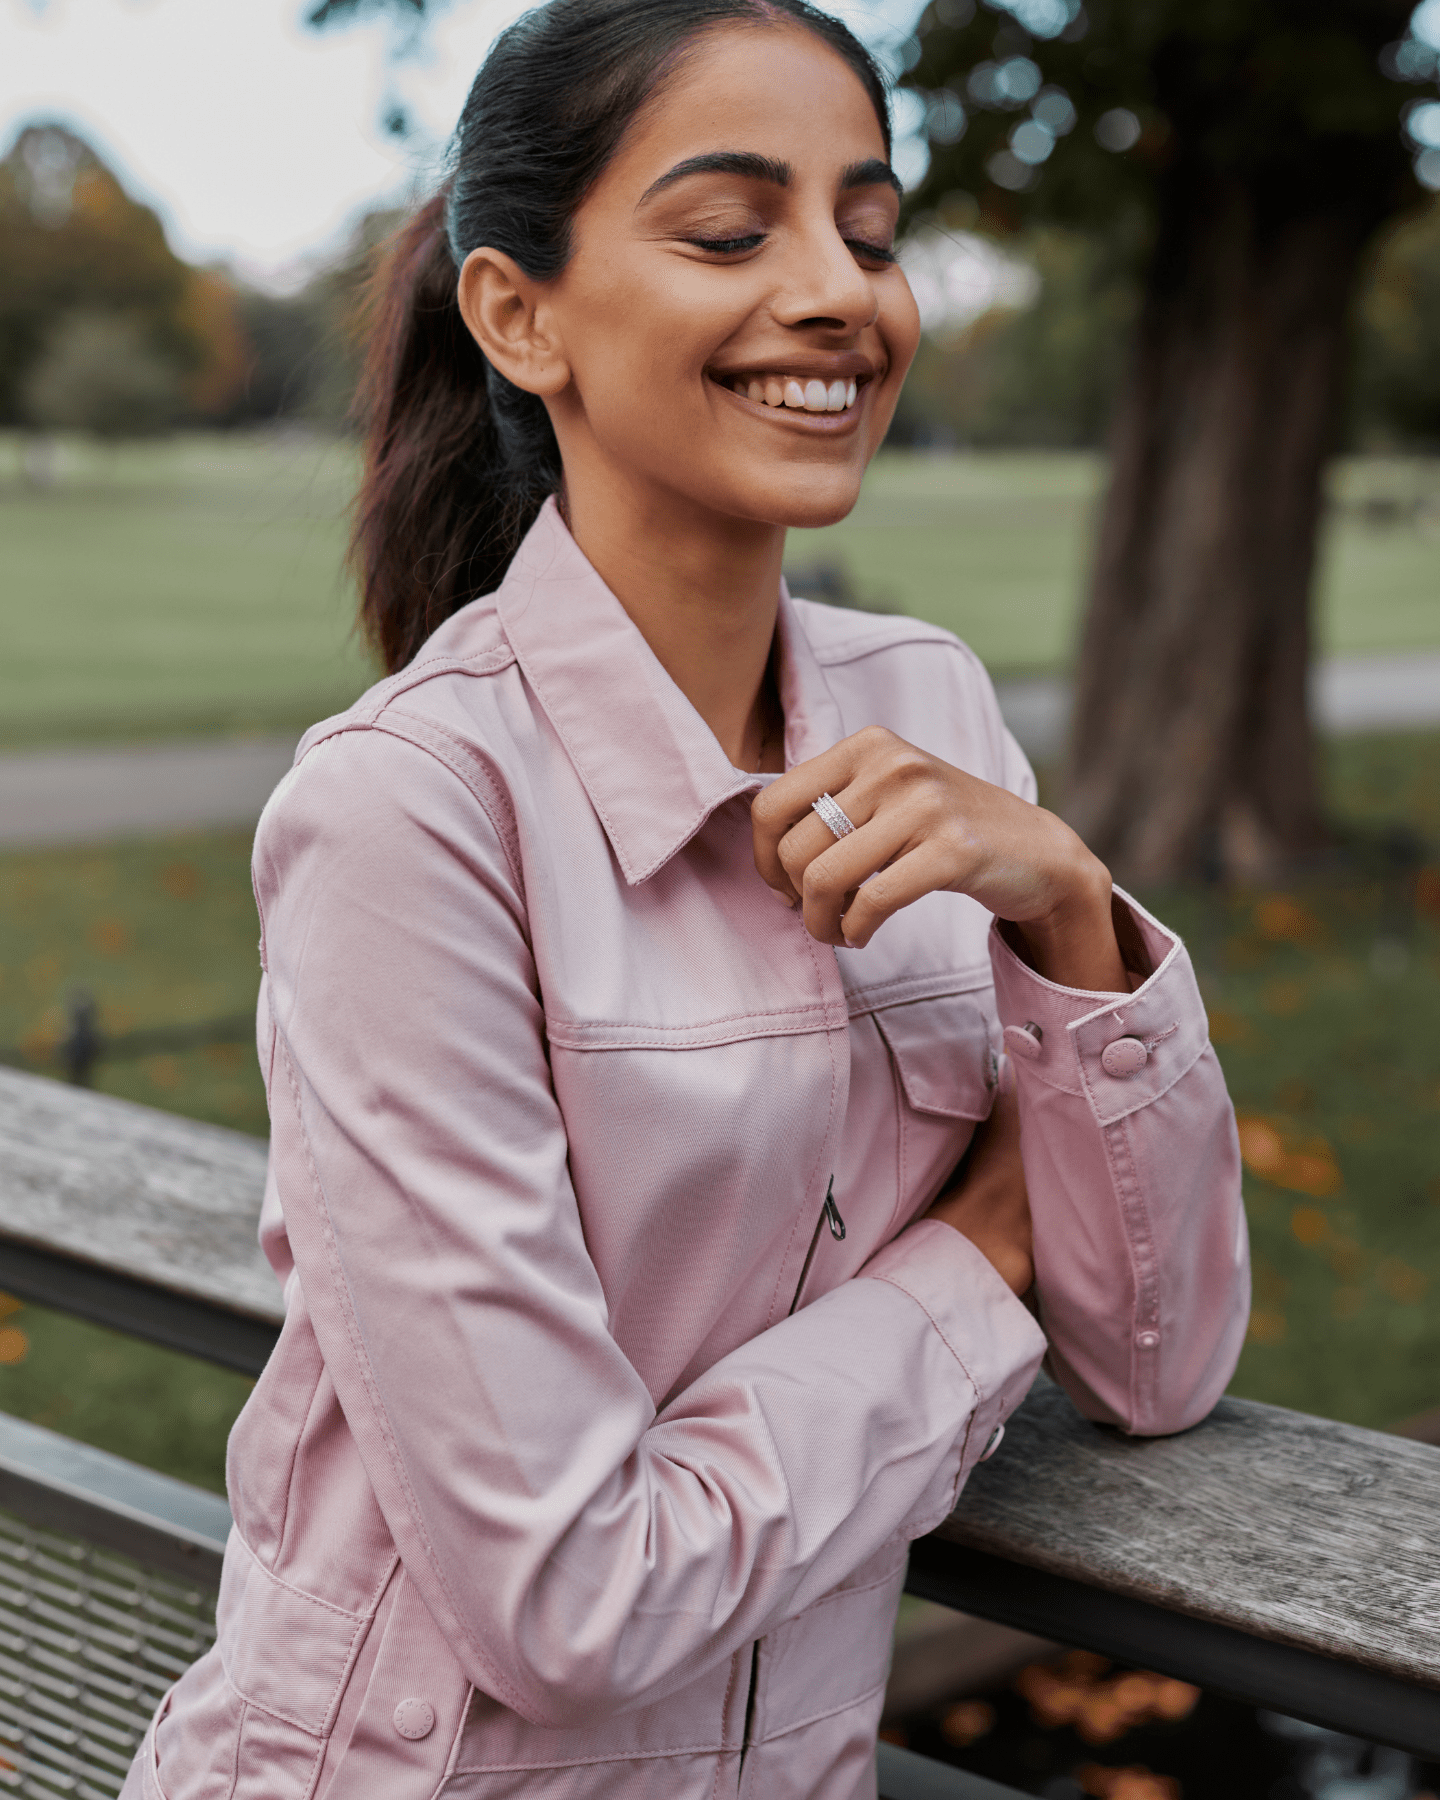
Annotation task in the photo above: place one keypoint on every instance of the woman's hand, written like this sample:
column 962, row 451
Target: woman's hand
column 988, row 1203
column 923, row 827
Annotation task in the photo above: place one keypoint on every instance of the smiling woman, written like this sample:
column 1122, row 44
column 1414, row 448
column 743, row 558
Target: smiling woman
column 645, row 958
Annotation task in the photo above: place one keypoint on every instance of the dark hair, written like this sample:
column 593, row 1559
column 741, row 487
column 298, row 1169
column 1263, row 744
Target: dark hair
column 458, row 460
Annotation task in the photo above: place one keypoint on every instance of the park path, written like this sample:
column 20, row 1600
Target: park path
column 148, row 790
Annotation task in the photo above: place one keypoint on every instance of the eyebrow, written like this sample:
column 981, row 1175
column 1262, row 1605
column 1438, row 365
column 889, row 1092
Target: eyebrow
column 870, row 173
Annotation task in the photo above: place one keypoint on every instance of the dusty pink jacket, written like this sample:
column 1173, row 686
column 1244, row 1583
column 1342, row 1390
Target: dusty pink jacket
column 589, row 1455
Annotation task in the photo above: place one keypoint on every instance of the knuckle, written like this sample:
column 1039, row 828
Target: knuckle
column 912, row 765
column 792, row 858
column 821, row 884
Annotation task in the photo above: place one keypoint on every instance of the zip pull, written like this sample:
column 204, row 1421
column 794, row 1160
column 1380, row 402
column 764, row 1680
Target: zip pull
column 831, row 1214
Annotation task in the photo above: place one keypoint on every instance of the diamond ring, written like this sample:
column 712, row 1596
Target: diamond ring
column 833, row 815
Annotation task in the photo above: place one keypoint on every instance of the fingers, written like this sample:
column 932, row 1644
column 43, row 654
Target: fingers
column 826, row 874
column 923, row 870
column 786, row 803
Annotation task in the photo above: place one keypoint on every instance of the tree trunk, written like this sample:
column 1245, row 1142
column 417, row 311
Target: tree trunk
column 1192, row 750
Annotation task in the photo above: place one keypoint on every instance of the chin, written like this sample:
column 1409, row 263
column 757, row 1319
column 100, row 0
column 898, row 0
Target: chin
column 808, row 501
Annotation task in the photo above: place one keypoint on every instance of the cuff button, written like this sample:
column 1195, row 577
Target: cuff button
column 1126, row 1056
column 1023, row 1040
column 414, row 1718
column 994, row 1444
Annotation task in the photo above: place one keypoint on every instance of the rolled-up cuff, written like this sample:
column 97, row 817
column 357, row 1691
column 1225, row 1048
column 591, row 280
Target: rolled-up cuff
column 1118, row 1051
column 990, row 1333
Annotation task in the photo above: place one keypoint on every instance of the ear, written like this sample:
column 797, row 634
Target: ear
column 505, row 313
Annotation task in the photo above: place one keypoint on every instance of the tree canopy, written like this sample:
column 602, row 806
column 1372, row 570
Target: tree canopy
column 74, row 246
column 1061, row 111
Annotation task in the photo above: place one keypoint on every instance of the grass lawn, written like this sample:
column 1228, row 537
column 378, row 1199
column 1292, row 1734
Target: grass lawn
column 995, row 548
column 1325, row 1009
column 194, row 585
column 191, row 585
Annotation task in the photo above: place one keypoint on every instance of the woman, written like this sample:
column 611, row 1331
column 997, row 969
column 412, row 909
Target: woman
column 637, row 1316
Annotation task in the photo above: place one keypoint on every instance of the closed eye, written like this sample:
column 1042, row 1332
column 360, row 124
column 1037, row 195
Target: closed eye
column 876, row 252
column 728, row 246
column 860, row 247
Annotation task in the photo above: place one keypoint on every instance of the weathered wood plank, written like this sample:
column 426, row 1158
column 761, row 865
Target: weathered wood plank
column 162, row 1200
column 1290, row 1528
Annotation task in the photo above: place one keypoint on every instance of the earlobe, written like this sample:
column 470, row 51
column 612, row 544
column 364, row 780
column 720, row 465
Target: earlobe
column 504, row 312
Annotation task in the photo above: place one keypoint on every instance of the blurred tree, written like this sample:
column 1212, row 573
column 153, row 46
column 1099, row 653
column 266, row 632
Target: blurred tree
column 1397, row 386
column 303, row 350
column 1039, row 374
column 100, row 373
column 1254, row 147
column 72, row 242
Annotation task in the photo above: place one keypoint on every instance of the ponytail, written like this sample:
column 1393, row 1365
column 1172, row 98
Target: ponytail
column 458, row 461
column 452, row 481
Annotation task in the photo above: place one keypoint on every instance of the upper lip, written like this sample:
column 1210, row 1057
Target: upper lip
column 804, row 365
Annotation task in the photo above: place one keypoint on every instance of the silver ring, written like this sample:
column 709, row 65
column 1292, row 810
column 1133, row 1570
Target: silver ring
column 833, row 814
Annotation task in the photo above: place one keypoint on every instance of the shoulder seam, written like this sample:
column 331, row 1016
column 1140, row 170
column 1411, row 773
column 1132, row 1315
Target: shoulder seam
column 368, row 709
column 406, row 728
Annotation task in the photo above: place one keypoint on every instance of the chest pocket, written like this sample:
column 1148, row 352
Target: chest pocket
column 946, row 1054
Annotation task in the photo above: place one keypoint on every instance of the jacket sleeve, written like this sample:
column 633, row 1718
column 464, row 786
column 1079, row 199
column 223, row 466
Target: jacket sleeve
column 581, row 1553
column 1133, row 1167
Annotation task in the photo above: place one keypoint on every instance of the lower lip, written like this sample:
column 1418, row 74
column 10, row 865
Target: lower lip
column 828, row 424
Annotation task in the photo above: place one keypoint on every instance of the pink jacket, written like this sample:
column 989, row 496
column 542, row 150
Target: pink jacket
column 589, row 1455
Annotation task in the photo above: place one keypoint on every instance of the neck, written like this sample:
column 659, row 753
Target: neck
column 703, row 591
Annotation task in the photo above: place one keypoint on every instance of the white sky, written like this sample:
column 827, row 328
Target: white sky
column 256, row 140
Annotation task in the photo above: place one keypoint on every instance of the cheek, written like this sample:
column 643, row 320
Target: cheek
column 900, row 326
column 640, row 357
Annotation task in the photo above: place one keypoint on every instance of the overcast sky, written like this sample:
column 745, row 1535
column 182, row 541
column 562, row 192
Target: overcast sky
column 256, row 140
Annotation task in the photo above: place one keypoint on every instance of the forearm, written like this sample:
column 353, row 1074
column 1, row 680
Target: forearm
column 1129, row 1147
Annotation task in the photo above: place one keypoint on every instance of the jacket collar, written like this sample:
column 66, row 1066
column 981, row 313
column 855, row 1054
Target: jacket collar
column 651, row 766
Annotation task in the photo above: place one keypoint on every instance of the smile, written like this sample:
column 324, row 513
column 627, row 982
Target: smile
column 790, row 391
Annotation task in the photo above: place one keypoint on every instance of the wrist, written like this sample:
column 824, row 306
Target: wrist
column 1074, row 943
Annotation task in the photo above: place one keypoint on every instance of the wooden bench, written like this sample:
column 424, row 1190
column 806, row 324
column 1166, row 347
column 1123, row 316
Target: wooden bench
column 1287, row 1561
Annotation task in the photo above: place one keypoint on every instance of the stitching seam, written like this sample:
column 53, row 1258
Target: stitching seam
column 362, row 1364
column 828, row 1713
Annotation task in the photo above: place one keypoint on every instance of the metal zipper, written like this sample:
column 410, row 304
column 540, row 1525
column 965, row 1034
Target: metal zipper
column 829, row 1215
column 745, row 1745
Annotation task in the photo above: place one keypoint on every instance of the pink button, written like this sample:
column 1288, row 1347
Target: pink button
column 1023, row 1041
column 414, row 1718
column 1147, row 1340
column 1126, row 1056
column 994, row 1444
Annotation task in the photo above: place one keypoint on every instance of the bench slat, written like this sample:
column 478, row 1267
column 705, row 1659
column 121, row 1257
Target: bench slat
column 1281, row 1525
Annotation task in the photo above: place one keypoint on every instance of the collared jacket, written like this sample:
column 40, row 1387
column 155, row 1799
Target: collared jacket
column 587, row 1460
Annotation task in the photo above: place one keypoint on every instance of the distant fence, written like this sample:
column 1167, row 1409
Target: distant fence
column 84, row 1044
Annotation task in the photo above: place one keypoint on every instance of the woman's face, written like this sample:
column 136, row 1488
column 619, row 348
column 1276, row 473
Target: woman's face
column 734, row 324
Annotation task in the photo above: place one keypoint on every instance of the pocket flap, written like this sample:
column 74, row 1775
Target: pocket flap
column 945, row 1050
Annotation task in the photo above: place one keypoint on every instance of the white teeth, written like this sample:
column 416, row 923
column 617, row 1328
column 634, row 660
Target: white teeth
column 799, row 396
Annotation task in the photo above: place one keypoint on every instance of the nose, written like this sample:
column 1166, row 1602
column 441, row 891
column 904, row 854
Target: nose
column 824, row 285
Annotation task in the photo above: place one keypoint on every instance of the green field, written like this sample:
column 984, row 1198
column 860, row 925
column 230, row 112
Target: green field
column 194, row 585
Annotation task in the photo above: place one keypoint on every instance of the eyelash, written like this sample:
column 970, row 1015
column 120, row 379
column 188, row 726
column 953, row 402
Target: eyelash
column 730, row 246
